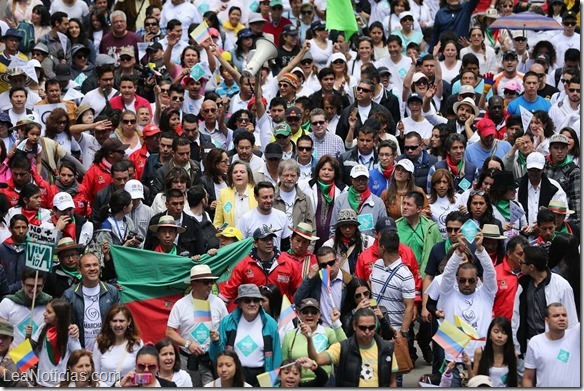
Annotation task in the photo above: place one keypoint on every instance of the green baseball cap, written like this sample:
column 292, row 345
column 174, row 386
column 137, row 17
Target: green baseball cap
column 282, row 129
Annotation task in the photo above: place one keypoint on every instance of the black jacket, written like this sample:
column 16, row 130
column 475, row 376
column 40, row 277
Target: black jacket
column 343, row 126
column 316, row 99
column 547, row 191
column 191, row 240
column 348, row 160
column 349, row 370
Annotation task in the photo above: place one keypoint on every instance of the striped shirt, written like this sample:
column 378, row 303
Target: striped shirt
column 399, row 288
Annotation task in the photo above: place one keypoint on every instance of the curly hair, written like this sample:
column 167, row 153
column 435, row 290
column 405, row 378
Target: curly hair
column 107, row 338
column 53, row 120
column 438, row 175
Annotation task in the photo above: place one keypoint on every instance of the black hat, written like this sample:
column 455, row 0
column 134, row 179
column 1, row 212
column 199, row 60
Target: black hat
column 62, row 72
column 385, row 223
column 569, row 15
column 318, row 25
column 273, row 151
column 503, row 180
column 155, row 46
column 290, row 29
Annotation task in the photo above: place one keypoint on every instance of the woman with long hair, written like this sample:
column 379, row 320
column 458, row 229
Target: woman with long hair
column 41, row 20
column 243, row 46
column 483, row 182
column 288, row 48
column 485, row 54
column 114, row 221
column 81, row 371
column 29, row 205
column 176, row 178
column 67, row 182
column 556, row 8
column 379, row 40
column 128, row 133
column 169, row 120
column 547, row 48
column 169, row 357
column 573, row 144
column 147, row 364
column 242, row 118
column 437, row 141
column 189, row 57
column 99, row 26
column 53, row 345
column 237, row 198
column 344, row 82
column 542, row 127
column 450, row 63
column 230, row 372
column 333, row 107
column 497, row 359
column 58, row 129
column 321, row 47
column 214, row 179
column 17, row 11
column 365, row 55
column 503, row 194
column 78, row 36
column 326, row 185
column 401, row 183
column 117, row 344
column 480, row 208
column 443, row 198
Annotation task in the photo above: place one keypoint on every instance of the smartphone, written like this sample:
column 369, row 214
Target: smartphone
column 142, row 378
column 223, row 226
column 372, row 303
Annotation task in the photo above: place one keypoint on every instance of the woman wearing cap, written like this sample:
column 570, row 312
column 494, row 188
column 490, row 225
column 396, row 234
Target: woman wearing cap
column 295, row 345
column 245, row 331
column 237, row 198
column 289, row 46
column 243, row 46
column 321, row 47
column 344, row 83
column 401, row 183
column 503, row 194
column 77, row 35
column 177, row 178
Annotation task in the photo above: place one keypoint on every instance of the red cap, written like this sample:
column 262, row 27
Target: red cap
column 486, row 127
column 252, row 101
column 151, row 130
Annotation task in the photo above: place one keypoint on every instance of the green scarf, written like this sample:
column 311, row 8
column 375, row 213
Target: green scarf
column 522, row 159
column 447, row 245
column 22, row 299
column 357, row 199
column 566, row 161
column 71, row 272
column 325, row 190
column 504, row 208
column 563, row 229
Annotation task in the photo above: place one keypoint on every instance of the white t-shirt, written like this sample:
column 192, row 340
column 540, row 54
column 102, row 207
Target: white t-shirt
column 108, row 364
column 254, row 219
column 181, row 378
column 94, row 99
column 50, row 375
column 182, row 319
column 424, row 128
column 69, row 145
column 249, row 342
column 557, row 363
column 92, row 318
column 78, row 10
column 440, row 210
column 288, row 198
column 19, row 316
column 89, row 147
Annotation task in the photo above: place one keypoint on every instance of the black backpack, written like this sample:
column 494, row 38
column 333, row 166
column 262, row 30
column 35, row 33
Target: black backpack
column 26, row 30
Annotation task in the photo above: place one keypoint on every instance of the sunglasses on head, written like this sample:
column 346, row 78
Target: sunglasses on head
column 365, row 328
column 362, row 294
column 309, row 311
column 325, row 264
column 248, row 300
column 144, row 367
column 477, row 192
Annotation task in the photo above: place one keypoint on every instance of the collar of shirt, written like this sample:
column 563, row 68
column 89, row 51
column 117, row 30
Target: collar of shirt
column 534, row 188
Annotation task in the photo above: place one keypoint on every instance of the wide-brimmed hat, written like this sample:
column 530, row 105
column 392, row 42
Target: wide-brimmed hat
column 29, row 119
column 82, row 109
column 14, row 71
column 67, row 243
column 347, row 216
column 231, row 232
column 11, row 33
column 5, row 118
column 467, row 101
column 166, row 221
column 503, row 180
column 201, row 272
column 248, row 291
column 559, row 207
column 6, row 328
column 491, row 231
column 305, row 230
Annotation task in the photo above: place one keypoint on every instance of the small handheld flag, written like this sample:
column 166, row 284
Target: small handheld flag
column 201, row 33
column 202, row 311
column 325, row 277
column 467, row 329
column 452, row 339
column 23, row 356
column 287, row 313
column 268, row 379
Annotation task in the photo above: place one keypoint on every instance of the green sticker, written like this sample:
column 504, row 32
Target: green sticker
column 246, row 346
column 227, row 207
column 563, row 356
column 365, row 221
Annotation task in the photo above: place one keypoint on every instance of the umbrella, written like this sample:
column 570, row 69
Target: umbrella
column 526, row 21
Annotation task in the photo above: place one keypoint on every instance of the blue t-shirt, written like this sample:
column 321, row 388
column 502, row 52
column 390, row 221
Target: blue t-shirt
column 476, row 155
column 539, row 104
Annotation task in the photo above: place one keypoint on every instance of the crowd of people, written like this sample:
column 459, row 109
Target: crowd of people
column 419, row 167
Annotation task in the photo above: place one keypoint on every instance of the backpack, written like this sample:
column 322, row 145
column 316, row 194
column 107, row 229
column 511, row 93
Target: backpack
column 26, row 30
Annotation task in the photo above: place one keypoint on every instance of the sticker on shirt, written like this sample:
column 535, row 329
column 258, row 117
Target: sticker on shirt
column 227, row 207
column 366, row 372
column 246, row 346
column 201, row 334
column 320, row 342
column 464, row 184
column 563, row 356
column 25, row 322
column 365, row 221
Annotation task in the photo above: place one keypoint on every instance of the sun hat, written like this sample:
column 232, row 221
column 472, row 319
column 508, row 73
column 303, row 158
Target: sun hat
column 166, row 221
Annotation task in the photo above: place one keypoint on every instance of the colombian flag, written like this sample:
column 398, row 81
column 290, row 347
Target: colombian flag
column 23, row 356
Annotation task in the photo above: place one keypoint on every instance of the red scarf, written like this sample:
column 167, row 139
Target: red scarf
column 453, row 167
column 52, row 345
column 32, row 216
column 386, row 172
column 70, row 230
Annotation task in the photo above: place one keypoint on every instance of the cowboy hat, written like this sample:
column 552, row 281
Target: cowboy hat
column 305, row 230
column 491, row 231
column 166, row 221
column 67, row 244
column 200, row 272
column 15, row 71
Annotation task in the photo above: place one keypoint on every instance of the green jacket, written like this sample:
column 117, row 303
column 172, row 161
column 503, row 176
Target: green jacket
column 432, row 236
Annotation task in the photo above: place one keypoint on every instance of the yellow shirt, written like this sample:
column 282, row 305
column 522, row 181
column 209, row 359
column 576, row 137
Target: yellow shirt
column 369, row 359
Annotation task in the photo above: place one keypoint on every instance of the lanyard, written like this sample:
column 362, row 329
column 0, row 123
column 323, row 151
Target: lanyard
column 119, row 230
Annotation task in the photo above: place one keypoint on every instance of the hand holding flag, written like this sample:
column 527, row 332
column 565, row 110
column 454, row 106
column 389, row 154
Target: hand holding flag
column 23, row 356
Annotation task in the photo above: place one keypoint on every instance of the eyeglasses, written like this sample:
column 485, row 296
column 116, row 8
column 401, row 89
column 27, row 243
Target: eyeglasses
column 144, row 367
column 305, row 149
column 305, row 62
column 284, row 85
column 452, row 229
column 465, row 280
column 362, row 294
column 243, row 120
column 573, row 90
column 477, row 192
column 325, row 264
column 125, row 58
column 164, row 90
column 365, row 328
column 569, row 24
column 150, row 24
column 338, row 62
column 179, row 99
column 209, row 110
column 361, row 89
column 249, row 300
column 129, row 121
column 317, row 123
column 411, row 147
column 309, row 311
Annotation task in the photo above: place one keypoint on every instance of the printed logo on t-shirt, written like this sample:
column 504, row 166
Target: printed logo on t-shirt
column 247, row 346
column 366, row 372
column 200, row 333
column 320, row 342
column 563, row 356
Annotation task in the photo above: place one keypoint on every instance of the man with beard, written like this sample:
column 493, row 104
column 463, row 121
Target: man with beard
column 289, row 198
column 478, row 152
column 98, row 97
column 563, row 112
column 463, row 109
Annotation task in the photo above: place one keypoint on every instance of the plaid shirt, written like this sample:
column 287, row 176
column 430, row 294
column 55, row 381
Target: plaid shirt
column 568, row 177
column 331, row 144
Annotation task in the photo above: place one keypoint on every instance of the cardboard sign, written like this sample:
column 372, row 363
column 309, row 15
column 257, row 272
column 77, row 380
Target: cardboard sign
column 40, row 234
column 39, row 256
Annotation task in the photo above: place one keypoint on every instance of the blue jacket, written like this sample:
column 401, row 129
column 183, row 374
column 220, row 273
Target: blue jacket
column 457, row 21
column 13, row 262
column 377, row 182
column 228, row 330
column 421, row 168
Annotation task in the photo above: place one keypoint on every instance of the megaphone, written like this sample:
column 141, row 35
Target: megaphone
column 265, row 51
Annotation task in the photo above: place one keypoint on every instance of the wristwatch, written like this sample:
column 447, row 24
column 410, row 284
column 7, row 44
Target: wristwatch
column 187, row 344
column 403, row 333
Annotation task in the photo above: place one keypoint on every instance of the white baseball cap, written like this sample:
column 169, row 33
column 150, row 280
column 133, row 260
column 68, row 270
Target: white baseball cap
column 535, row 160
column 135, row 188
column 63, row 201
column 407, row 165
column 359, row 170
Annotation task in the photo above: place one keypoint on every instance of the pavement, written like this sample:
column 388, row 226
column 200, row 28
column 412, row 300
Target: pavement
column 411, row 379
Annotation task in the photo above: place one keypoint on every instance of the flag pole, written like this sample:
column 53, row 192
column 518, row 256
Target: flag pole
column 36, row 278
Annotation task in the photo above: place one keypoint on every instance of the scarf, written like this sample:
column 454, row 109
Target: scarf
column 327, row 190
column 52, row 345
column 22, row 299
column 564, row 229
column 70, row 230
column 447, row 245
column 71, row 272
column 71, row 190
column 159, row 249
column 18, row 247
column 455, row 168
column 33, row 216
column 504, row 207
column 386, row 172
column 522, row 160
column 106, row 165
column 566, row 161
column 357, row 199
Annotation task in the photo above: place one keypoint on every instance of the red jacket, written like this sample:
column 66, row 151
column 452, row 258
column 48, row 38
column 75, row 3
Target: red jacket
column 299, row 261
column 46, row 192
column 286, row 276
column 117, row 103
column 139, row 158
column 506, row 289
column 368, row 257
column 95, row 179
column 82, row 205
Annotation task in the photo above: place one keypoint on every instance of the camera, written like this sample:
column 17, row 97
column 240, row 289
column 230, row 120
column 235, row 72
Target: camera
column 134, row 234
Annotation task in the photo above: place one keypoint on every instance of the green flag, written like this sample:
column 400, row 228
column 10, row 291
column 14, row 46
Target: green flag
column 341, row 16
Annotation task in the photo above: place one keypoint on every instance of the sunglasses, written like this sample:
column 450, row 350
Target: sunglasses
column 452, row 229
column 566, row 80
column 243, row 120
column 411, row 147
column 293, row 119
column 209, row 110
column 207, row 282
column 80, row 56
column 361, row 89
column 125, row 58
column 129, row 121
column 309, row 311
column 325, row 264
column 306, row 12
column 569, row 24
column 338, row 62
column 465, row 280
column 305, row 149
column 317, row 123
column 164, row 90
column 249, row 300
column 520, row 39
column 422, row 82
column 573, row 90
column 510, row 92
column 362, row 294
column 151, row 24
column 365, row 328
column 144, row 367
column 281, row 137
column 179, row 99
column 407, row 20
column 305, row 62
column 284, row 85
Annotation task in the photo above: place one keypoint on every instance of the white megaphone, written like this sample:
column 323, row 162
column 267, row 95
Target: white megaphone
column 265, row 51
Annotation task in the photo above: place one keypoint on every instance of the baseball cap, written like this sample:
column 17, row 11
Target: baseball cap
column 318, row 25
column 309, row 302
column 466, row 89
column 5, row 118
column 508, row 54
column 255, row 17
column 338, row 56
column 383, row 71
column 231, row 232
column 480, row 380
column 407, row 165
column 127, row 51
column 244, row 33
column 282, row 129
column 290, row 29
column 414, row 96
column 114, row 145
column 385, row 223
column 405, row 14
column 62, row 72
column 417, row 76
column 273, row 151
column 569, row 15
column 77, row 48
column 512, row 85
column 535, row 160
column 559, row 138
column 359, row 170
column 150, row 130
column 104, row 59
column 155, row 46
column 486, row 127
column 263, row 232
column 63, row 201
column 135, row 188
column 275, row 3
column 293, row 111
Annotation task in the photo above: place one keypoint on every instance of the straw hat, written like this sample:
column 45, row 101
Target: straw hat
column 305, row 230
column 559, row 207
column 491, row 231
column 166, row 221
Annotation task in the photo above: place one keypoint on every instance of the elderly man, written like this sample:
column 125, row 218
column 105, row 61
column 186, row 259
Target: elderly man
column 192, row 333
column 251, row 333
column 113, row 42
column 10, row 376
column 289, row 198
column 166, row 232
column 66, row 273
